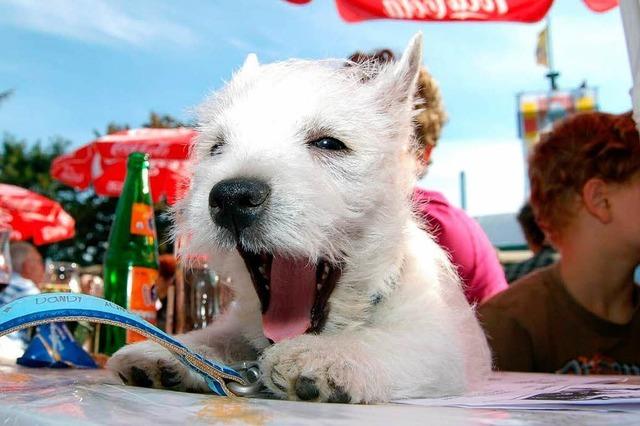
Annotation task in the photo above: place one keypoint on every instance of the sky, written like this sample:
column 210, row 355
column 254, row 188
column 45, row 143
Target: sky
column 76, row 65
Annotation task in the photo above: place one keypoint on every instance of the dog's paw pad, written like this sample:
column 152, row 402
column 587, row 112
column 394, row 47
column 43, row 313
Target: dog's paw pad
column 169, row 376
column 306, row 389
column 150, row 365
column 140, row 378
column 310, row 368
column 338, row 395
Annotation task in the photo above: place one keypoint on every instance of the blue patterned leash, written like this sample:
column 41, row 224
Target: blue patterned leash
column 240, row 380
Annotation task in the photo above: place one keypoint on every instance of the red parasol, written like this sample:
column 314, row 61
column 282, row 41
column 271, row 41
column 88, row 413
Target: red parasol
column 443, row 10
column 601, row 5
column 103, row 162
column 33, row 216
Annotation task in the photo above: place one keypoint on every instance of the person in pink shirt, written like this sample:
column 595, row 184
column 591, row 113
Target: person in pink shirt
column 467, row 244
column 454, row 230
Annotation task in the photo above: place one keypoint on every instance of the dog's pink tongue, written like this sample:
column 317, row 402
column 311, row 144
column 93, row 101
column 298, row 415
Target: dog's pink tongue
column 291, row 298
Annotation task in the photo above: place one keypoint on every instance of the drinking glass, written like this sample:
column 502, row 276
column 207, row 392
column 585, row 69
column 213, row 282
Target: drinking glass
column 61, row 276
column 202, row 298
column 5, row 258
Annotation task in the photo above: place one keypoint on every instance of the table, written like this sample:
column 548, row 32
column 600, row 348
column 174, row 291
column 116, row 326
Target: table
column 90, row 397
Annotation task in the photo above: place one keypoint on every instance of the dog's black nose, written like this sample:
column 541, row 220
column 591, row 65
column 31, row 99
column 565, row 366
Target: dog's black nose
column 237, row 203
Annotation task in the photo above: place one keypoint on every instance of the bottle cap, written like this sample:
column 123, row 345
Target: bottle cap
column 138, row 159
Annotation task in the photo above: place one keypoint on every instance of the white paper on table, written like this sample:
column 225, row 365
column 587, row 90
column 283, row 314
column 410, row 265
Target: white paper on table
column 545, row 391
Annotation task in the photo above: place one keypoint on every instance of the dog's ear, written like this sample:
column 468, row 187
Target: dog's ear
column 407, row 70
column 250, row 65
column 397, row 83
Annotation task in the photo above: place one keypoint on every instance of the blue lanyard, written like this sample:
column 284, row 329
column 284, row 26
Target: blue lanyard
column 45, row 308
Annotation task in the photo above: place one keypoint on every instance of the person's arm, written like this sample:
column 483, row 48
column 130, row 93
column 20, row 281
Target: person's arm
column 510, row 343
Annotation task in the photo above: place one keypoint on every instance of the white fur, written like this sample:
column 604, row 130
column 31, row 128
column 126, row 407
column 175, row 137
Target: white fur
column 422, row 339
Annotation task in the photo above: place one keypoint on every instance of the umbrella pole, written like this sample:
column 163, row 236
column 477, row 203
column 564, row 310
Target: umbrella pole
column 630, row 13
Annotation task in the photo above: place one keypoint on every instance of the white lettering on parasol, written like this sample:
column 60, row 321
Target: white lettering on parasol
column 96, row 167
column 154, row 151
column 27, row 205
column 64, row 219
column 442, row 9
column 53, row 232
column 70, row 176
column 114, row 187
column 5, row 216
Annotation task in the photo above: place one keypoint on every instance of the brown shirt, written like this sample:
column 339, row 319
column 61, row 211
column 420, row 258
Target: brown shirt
column 536, row 325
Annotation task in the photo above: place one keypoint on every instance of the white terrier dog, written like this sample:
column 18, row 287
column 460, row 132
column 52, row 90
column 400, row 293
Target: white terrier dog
column 302, row 186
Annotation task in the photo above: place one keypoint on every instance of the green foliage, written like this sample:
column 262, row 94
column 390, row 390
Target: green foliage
column 93, row 215
column 155, row 121
column 112, row 128
column 27, row 165
column 159, row 121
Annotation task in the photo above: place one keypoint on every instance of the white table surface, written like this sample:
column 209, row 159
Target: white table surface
column 88, row 397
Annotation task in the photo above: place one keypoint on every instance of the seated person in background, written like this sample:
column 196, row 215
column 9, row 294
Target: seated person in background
column 27, row 272
column 582, row 314
column 543, row 253
column 453, row 229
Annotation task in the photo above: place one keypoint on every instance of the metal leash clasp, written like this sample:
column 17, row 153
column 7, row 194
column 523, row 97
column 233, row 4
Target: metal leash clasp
column 250, row 372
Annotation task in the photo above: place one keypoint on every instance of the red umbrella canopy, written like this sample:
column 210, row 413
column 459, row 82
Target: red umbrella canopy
column 601, row 5
column 33, row 216
column 441, row 10
column 448, row 10
column 103, row 162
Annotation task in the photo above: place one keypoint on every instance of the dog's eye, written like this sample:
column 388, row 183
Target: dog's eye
column 218, row 142
column 329, row 143
column 215, row 149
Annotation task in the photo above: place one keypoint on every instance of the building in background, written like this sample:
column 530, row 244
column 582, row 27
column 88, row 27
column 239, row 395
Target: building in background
column 537, row 111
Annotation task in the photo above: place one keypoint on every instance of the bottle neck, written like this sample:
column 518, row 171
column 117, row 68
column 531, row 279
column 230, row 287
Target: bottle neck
column 135, row 208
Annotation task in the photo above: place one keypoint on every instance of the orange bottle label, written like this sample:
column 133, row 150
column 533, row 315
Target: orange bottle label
column 142, row 220
column 142, row 297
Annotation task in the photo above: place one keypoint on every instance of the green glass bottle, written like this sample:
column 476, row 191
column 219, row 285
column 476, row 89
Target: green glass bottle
column 131, row 260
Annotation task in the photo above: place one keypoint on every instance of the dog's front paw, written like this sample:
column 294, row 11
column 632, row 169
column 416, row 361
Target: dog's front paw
column 324, row 369
column 148, row 364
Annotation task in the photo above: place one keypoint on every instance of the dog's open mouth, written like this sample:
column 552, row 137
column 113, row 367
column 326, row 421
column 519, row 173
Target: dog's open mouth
column 293, row 293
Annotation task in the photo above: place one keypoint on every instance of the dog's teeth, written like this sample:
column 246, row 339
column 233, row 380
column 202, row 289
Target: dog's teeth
column 319, row 286
column 262, row 271
column 326, row 268
column 324, row 276
column 266, row 286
